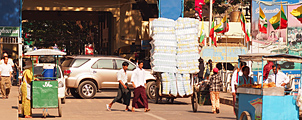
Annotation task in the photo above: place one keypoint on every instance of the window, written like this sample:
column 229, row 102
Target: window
column 79, row 62
column 67, row 62
column 103, row 64
column 120, row 66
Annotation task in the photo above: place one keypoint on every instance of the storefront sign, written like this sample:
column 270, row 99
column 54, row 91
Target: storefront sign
column 222, row 54
column 9, row 31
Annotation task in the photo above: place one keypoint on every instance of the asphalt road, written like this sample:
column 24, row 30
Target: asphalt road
column 95, row 109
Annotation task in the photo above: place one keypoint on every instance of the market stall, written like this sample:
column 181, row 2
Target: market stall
column 265, row 100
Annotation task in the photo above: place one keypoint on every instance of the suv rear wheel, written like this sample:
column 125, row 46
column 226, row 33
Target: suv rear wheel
column 87, row 89
column 150, row 90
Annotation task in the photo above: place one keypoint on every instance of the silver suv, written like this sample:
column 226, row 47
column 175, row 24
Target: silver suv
column 87, row 74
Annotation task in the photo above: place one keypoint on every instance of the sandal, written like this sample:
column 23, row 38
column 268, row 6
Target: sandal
column 147, row 110
column 108, row 108
column 27, row 116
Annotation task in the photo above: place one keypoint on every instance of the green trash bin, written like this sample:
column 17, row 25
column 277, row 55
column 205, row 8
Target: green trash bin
column 45, row 94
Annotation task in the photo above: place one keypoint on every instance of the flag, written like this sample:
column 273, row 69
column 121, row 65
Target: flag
column 223, row 26
column 212, row 34
column 242, row 20
column 297, row 13
column 279, row 21
column 202, row 34
column 262, row 24
column 198, row 8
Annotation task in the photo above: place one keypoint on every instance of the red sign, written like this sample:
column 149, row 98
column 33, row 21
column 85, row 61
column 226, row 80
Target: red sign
column 88, row 49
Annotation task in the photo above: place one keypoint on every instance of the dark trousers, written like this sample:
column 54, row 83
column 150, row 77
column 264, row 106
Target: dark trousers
column 140, row 99
column 123, row 95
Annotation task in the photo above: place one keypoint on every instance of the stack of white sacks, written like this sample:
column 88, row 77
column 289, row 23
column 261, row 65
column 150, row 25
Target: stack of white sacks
column 187, row 45
column 164, row 45
column 175, row 53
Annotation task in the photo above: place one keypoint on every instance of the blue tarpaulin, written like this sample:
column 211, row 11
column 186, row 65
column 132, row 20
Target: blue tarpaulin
column 171, row 9
column 10, row 13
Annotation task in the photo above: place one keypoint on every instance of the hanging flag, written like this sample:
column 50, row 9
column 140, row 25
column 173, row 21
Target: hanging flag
column 212, row 34
column 223, row 26
column 202, row 34
column 198, row 8
column 243, row 21
column 262, row 24
column 297, row 13
column 279, row 21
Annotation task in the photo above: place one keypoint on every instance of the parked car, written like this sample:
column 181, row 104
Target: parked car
column 88, row 74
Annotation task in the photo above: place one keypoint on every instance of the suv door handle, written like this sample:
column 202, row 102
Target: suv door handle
column 94, row 72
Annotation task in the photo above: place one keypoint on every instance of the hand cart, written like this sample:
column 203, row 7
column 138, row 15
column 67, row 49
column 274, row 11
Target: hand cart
column 158, row 90
column 201, row 94
column 44, row 93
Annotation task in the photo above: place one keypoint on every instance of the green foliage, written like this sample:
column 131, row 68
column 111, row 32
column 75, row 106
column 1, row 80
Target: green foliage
column 45, row 34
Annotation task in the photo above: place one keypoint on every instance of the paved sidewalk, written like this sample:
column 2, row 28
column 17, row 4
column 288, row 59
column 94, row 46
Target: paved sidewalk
column 9, row 107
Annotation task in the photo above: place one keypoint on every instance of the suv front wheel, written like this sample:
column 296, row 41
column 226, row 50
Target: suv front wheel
column 87, row 89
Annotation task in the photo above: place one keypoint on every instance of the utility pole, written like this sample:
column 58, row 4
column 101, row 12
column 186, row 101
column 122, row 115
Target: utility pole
column 210, row 19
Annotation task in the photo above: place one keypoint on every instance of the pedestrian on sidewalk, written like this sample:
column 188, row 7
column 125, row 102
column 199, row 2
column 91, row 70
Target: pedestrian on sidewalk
column 139, row 82
column 234, row 82
column 123, row 94
column 215, row 87
column 6, row 74
column 26, row 89
column 201, row 69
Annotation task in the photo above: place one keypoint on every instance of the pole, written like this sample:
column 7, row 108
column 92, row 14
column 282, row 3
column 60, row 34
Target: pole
column 182, row 9
column 210, row 24
column 159, row 9
column 20, row 39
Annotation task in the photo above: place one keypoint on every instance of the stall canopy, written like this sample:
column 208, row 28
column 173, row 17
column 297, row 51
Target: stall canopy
column 258, row 57
column 272, row 2
column 45, row 52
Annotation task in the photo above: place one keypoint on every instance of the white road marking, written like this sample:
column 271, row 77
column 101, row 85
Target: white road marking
column 150, row 114
column 155, row 116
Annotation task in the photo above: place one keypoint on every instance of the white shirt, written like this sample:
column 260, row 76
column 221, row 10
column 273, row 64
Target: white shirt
column 281, row 78
column 6, row 69
column 234, row 80
column 10, row 61
column 138, row 77
column 122, row 75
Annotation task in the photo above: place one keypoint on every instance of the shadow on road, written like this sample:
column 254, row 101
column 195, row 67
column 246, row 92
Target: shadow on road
column 201, row 112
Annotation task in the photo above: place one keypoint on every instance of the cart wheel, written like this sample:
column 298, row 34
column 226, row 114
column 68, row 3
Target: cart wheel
column 156, row 95
column 44, row 113
column 245, row 116
column 194, row 101
column 60, row 108
column 172, row 100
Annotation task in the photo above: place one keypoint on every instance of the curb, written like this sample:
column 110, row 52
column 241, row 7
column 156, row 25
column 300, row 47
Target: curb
column 226, row 101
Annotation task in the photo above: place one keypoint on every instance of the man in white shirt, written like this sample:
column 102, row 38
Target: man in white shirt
column 279, row 78
column 6, row 74
column 139, row 82
column 10, row 61
column 123, row 94
column 234, row 83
